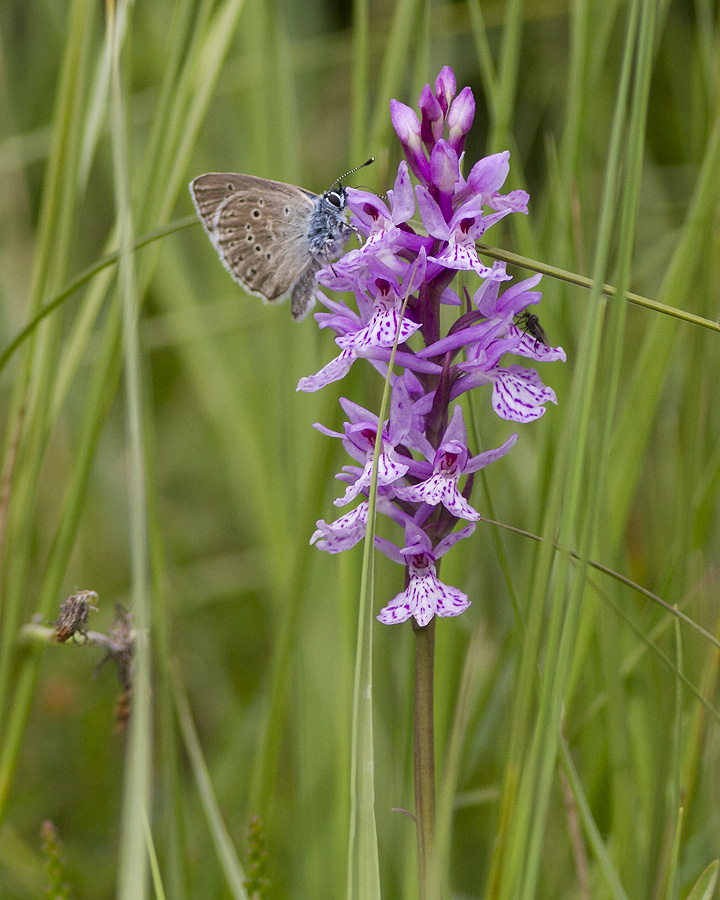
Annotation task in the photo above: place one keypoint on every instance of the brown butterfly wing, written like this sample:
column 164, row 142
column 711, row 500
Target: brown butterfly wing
column 303, row 290
column 209, row 191
column 258, row 227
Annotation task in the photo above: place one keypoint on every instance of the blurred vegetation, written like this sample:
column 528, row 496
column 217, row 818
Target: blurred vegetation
column 251, row 631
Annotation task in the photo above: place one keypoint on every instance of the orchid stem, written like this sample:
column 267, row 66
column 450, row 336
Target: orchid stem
column 428, row 870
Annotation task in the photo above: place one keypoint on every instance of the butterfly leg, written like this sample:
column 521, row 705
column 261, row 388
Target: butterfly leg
column 326, row 251
column 358, row 234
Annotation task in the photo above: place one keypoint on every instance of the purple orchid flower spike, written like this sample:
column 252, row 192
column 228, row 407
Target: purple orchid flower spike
column 400, row 277
column 425, row 596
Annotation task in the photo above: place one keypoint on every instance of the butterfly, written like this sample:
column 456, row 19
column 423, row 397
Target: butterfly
column 273, row 238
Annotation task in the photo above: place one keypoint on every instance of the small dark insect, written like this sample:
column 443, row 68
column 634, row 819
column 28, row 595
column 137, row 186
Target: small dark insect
column 530, row 323
column 73, row 617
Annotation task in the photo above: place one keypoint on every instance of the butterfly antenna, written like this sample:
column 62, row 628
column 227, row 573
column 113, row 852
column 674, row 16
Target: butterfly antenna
column 352, row 171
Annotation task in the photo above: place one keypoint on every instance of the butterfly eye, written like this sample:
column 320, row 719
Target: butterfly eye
column 336, row 198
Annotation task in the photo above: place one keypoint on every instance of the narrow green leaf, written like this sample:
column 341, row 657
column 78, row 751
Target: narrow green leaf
column 227, row 857
column 704, row 888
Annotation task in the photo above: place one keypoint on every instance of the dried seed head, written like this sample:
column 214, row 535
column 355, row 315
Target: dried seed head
column 73, row 618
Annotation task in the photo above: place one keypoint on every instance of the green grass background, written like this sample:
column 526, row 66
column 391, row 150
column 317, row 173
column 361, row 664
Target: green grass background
column 164, row 460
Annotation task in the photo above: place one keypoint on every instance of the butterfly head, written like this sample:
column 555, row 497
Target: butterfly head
column 336, row 197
